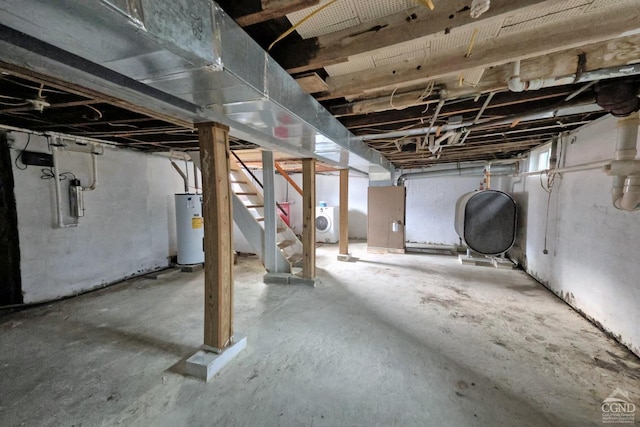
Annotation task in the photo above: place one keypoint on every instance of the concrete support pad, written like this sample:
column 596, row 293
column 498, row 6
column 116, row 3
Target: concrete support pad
column 205, row 364
column 287, row 279
column 191, row 268
column 503, row 263
column 472, row 260
column 347, row 258
column 277, row 278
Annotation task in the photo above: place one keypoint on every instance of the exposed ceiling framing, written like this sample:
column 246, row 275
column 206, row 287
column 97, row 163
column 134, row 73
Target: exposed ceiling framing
column 393, row 67
column 76, row 111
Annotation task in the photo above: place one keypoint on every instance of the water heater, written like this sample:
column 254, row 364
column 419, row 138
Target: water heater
column 190, row 228
column 486, row 221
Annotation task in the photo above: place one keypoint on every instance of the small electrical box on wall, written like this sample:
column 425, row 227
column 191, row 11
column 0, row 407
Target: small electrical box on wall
column 33, row 158
column 76, row 201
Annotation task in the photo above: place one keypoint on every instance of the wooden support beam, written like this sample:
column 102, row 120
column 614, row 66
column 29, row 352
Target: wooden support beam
column 218, row 240
column 309, row 218
column 312, row 83
column 589, row 28
column 391, row 30
column 344, row 212
column 606, row 54
column 290, row 180
column 274, row 9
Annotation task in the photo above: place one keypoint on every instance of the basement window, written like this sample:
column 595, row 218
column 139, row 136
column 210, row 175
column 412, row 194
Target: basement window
column 539, row 159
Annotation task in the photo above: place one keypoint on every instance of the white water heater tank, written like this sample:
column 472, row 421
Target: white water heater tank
column 190, row 228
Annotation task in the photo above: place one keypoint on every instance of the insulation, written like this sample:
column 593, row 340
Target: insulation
column 344, row 14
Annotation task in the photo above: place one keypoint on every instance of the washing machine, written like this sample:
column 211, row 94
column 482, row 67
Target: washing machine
column 327, row 224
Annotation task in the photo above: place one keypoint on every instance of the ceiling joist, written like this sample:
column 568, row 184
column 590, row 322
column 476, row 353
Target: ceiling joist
column 246, row 13
column 614, row 22
column 395, row 29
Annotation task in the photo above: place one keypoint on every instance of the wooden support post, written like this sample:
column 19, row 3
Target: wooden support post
column 309, row 218
column 344, row 212
column 218, row 237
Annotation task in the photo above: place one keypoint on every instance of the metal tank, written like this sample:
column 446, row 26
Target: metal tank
column 190, row 228
column 486, row 221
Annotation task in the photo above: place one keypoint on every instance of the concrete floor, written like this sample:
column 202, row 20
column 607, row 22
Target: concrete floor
column 389, row 340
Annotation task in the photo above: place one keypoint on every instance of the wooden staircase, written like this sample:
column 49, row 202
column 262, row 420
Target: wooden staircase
column 248, row 197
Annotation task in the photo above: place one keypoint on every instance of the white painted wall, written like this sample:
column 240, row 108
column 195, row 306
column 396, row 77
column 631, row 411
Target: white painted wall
column 327, row 190
column 592, row 247
column 128, row 228
column 431, row 206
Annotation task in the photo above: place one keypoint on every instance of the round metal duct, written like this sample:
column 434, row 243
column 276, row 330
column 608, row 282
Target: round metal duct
column 486, row 221
column 619, row 97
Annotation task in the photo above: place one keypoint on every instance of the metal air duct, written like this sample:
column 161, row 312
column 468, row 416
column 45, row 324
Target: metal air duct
column 182, row 58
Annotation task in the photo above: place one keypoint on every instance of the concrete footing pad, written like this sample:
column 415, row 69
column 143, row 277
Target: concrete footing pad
column 474, row 260
column 502, row 263
column 347, row 258
column 205, row 364
column 277, row 278
column 191, row 268
column 288, row 279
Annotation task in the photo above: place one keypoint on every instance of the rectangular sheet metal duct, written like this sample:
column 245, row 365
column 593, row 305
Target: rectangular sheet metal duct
column 186, row 58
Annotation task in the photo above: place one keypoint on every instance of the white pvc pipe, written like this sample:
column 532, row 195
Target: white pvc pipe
column 94, row 165
column 581, row 167
column 625, row 188
column 508, row 169
column 631, row 199
column 56, row 183
column 516, row 84
column 627, row 137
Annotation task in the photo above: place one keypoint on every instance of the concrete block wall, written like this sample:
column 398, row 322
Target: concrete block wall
column 592, row 248
column 327, row 190
column 430, row 203
column 431, row 206
column 128, row 227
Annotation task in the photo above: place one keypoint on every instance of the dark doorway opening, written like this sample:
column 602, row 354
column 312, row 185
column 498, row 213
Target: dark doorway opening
column 10, row 284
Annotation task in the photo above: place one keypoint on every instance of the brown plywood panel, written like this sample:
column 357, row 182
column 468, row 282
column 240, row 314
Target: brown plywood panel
column 386, row 207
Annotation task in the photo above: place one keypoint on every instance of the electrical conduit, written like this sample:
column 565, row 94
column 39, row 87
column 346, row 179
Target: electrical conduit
column 94, row 165
column 56, row 183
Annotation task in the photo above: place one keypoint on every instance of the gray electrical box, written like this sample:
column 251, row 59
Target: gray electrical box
column 76, row 201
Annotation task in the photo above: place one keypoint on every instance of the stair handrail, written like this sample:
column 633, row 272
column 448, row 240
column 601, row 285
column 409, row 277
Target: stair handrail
column 255, row 178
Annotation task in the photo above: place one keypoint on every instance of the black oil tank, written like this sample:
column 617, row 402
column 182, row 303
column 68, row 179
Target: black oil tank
column 486, row 221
